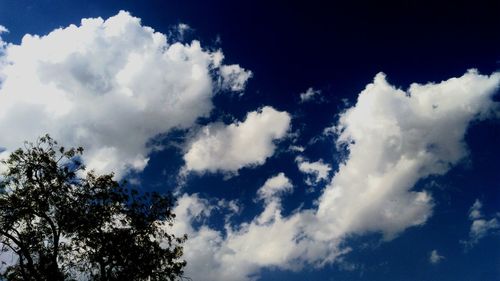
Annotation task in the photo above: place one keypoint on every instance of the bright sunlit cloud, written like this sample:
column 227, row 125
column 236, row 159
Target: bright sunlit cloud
column 110, row 85
column 394, row 138
column 297, row 181
column 220, row 147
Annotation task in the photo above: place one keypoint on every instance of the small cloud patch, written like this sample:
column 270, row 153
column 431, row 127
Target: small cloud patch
column 435, row 257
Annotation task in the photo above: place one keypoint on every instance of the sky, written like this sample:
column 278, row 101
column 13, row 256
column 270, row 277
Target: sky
column 303, row 140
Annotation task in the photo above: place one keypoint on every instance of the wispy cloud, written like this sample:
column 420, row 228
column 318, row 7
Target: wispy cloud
column 435, row 257
column 315, row 171
column 481, row 225
column 309, row 95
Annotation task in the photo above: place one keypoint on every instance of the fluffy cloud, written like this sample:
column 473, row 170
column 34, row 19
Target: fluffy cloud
column 275, row 186
column 234, row 77
column 434, row 257
column 394, row 138
column 229, row 148
column 309, row 95
column 109, row 85
column 240, row 251
column 315, row 171
column 481, row 226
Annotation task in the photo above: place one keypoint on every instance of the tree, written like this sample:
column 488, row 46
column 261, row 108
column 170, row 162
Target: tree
column 64, row 223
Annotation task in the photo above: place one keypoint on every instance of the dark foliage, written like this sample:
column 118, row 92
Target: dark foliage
column 63, row 223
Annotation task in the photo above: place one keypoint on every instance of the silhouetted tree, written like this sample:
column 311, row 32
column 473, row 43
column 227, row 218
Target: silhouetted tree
column 63, row 223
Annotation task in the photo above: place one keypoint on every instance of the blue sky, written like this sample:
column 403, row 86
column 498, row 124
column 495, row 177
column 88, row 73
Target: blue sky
column 305, row 141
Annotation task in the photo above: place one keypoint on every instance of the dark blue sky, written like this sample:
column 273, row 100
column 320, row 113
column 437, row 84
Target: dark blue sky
column 337, row 49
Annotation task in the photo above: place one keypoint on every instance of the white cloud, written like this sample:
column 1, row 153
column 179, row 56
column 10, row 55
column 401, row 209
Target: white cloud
column 296, row 148
column 475, row 210
column 182, row 28
column 239, row 252
column 229, row 148
column 112, row 85
column 309, row 95
column 394, row 138
column 179, row 32
column 3, row 61
column 434, row 257
column 108, row 85
column 234, row 78
column 480, row 226
column 275, row 186
column 7, row 257
column 315, row 171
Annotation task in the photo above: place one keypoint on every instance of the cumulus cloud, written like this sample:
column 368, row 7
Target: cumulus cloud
column 240, row 251
column 275, row 186
column 233, row 77
column 315, row 171
column 3, row 61
column 480, row 226
column 435, row 257
column 309, row 95
column 394, row 138
column 220, row 147
column 108, row 85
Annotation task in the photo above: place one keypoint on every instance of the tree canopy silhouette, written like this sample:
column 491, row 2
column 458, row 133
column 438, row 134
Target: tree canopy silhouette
column 60, row 222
